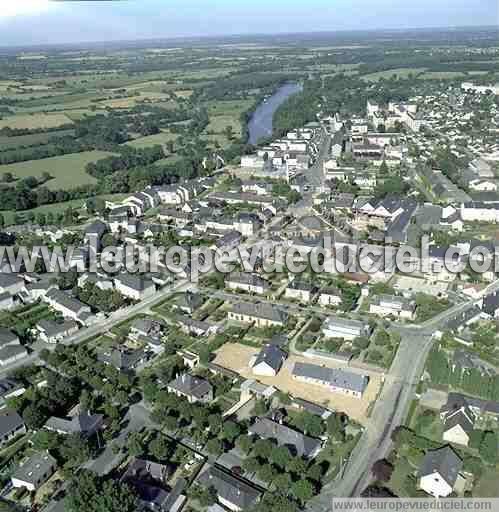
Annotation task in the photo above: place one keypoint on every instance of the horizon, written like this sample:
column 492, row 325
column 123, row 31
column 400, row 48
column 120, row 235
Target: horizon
column 248, row 36
column 69, row 22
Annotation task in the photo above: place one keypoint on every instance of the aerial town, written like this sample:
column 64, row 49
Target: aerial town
column 254, row 389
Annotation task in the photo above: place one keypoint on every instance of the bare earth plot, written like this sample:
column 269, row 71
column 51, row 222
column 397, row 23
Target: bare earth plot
column 236, row 357
column 68, row 171
column 23, row 122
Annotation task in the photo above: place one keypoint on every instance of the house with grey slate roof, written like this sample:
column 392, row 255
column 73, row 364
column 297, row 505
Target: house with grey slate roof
column 34, row 472
column 194, row 389
column 440, row 472
column 84, row 424
column 246, row 282
column 298, row 443
column 345, row 328
column 262, row 315
column 232, row 492
column 458, row 425
column 337, row 380
column 52, row 332
column 269, row 361
column 11, row 425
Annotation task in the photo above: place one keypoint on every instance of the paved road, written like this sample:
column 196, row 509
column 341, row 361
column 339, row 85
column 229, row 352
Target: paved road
column 392, row 406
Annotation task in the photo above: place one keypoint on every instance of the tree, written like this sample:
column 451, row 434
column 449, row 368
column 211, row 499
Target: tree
column 244, row 443
column 488, row 447
column 382, row 338
column 266, row 473
column 260, row 408
column 214, row 447
column 251, row 465
column 262, row 448
column 135, row 444
column 302, row 490
column 280, row 456
column 297, row 466
column 89, row 493
column 160, row 448
column 75, row 450
column 382, row 470
column 231, row 430
column 282, row 483
column 206, row 496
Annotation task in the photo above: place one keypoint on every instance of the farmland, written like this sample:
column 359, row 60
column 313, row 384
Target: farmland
column 68, row 171
column 36, row 121
column 152, row 140
column 35, row 139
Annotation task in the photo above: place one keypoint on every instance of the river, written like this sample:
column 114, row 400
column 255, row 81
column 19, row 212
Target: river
column 260, row 124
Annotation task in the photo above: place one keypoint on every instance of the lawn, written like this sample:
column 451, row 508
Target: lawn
column 486, row 486
column 401, row 471
column 68, row 171
column 31, row 122
column 152, row 140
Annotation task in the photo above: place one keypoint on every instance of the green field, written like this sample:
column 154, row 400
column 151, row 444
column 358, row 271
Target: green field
column 153, row 140
column 441, row 75
column 35, row 121
column 76, row 204
column 68, row 171
column 400, row 72
column 35, row 139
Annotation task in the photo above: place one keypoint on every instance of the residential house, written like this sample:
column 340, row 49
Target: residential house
column 229, row 241
column 11, row 349
column 468, row 361
column 337, row 380
column 262, row 315
column 11, row 283
column 134, row 287
column 244, row 281
column 248, row 224
column 458, row 425
column 482, row 409
column 11, row 425
column 83, row 424
column 391, row 305
column 194, row 389
column 148, row 480
column 98, row 280
column 53, row 332
column 440, row 472
column 121, row 358
column 299, row 444
column 37, row 290
column 70, row 307
column 196, row 327
column 10, row 388
column 190, row 302
column 345, row 328
column 34, row 472
column 7, row 301
column 300, row 291
column 269, row 361
column 232, row 492
column 94, row 234
column 330, row 297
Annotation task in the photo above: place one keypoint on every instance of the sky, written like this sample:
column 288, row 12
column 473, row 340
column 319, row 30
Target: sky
column 27, row 22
